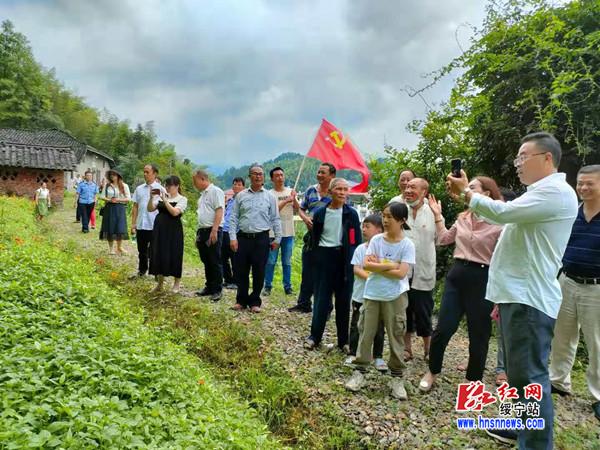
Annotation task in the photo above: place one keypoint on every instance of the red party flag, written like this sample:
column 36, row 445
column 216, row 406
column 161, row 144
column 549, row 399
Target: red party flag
column 333, row 146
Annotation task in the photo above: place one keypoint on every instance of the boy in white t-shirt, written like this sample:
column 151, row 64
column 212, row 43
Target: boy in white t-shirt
column 371, row 226
column 389, row 258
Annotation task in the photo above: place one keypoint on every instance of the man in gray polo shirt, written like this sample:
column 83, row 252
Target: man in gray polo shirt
column 254, row 213
column 209, row 236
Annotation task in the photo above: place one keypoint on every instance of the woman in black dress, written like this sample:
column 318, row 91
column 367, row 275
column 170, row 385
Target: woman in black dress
column 115, row 195
column 166, row 257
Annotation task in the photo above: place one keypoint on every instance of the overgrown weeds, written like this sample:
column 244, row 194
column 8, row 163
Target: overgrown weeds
column 80, row 369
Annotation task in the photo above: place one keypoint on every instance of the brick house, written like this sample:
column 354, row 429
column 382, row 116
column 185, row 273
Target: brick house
column 88, row 157
column 24, row 167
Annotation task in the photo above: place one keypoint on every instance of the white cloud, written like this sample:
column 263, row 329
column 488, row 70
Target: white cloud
column 231, row 82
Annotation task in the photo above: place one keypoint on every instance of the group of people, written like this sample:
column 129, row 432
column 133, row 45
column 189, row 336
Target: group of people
column 532, row 263
column 379, row 275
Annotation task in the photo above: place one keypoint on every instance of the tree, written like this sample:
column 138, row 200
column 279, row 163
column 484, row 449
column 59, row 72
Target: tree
column 24, row 98
column 531, row 67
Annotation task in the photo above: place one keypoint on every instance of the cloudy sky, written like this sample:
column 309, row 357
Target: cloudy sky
column 231, row 82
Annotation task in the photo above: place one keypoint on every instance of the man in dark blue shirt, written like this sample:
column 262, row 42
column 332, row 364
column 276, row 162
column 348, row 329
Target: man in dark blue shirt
column 580, row 285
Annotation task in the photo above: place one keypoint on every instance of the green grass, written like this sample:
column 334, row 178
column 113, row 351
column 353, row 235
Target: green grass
column 80, row 369
column 240, row 353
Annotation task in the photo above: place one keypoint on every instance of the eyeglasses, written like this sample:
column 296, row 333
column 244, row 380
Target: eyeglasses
column 521, row 159
column 257, row 174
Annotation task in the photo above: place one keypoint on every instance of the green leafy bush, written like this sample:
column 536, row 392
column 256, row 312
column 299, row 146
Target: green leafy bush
column 79, row 369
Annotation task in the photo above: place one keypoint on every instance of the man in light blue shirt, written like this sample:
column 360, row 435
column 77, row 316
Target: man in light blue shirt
column 523, row 272
column 85, row 199
column 255, row 212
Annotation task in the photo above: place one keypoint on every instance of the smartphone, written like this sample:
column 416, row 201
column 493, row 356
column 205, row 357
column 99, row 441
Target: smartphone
column 456, row 167
column 155, row 191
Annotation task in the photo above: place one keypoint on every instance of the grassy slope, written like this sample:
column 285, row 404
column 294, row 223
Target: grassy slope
column 240, row 353
column 80, row 369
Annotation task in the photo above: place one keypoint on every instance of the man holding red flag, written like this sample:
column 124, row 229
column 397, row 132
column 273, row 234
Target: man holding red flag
column 314, row 197
column 335, row 151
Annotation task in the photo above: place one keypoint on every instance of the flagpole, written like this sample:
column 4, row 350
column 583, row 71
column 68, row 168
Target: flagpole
column 303, row 161
column 300, row 172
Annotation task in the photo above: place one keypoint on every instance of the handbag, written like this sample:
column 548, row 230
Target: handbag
column 103, row 209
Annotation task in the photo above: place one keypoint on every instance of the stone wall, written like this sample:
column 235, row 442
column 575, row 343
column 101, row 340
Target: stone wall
column 24, row 182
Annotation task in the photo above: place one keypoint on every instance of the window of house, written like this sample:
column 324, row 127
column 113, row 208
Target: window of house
column 8, row 174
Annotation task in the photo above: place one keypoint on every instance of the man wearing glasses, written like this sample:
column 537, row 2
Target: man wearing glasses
column 523, row 272
column 255, row 212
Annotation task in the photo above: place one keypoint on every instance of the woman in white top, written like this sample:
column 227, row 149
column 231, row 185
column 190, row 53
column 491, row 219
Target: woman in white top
column 166, row 249
column 42, row 201
column 115, row 196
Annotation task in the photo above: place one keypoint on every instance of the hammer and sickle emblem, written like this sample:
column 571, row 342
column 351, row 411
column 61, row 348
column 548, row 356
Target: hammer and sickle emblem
column 337, row 141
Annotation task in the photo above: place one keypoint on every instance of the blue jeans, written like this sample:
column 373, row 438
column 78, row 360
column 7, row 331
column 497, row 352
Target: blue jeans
column 527, row 334
column 287, row 245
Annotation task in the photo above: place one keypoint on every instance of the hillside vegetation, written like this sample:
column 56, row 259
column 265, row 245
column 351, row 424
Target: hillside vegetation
column 81, row 370
column 291, row 163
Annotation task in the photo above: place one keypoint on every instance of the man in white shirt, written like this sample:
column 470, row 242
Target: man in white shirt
column 287, row 204
column 422, row 281
column 523, row 273
column 142, row 221
column 209, row 237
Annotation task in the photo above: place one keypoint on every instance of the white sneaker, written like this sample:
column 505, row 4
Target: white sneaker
column 397, row 387
column 380, row 365
column 356, row 381
column 349, row 361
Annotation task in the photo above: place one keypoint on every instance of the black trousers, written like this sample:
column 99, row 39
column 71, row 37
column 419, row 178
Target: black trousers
column 211, row 258
column 226, row 259
column 307, row 285
column 85, row 211
column 144, row 242
column 354, row 334
column 418, row 313
column 464, row 293
column 252, row 254
column 330, row 275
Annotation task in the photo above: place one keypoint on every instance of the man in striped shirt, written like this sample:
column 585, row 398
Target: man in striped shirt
column 580, row 285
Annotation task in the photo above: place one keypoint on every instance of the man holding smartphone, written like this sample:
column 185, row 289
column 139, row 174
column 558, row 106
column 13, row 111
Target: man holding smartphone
column 209, row 235
column 523, row 273
column 142, row 221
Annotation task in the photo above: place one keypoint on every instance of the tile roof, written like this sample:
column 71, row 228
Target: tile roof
column 49, row 137
column 38, row 156
column 89, row 148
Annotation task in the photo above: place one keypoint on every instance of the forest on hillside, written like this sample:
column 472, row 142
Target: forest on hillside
column 31, row 97
column 532, row 66
column 291, row 164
